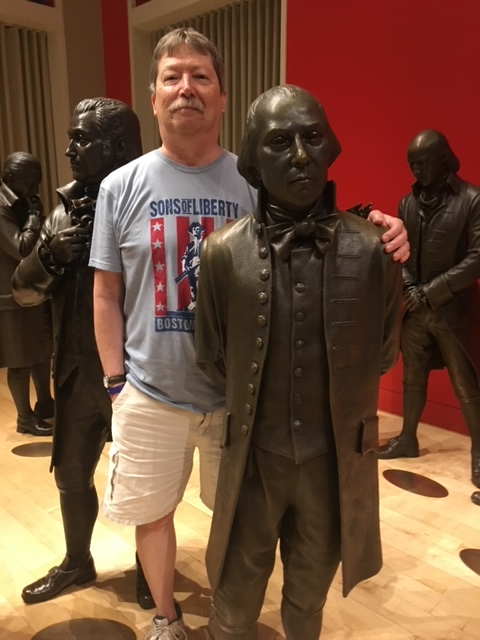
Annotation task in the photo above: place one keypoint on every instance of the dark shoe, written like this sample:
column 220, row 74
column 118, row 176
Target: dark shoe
column 44, row 410
column 475, row 497
column 398, row 448
column 144, row 596
column 57, row 580
column 476, row 471
column 34, row 426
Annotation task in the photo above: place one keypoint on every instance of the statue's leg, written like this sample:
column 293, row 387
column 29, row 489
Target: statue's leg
column 41, row 377
column 310, row 547
column 18, row 380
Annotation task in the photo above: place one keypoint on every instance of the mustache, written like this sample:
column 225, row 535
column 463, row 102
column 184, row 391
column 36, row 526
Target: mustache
column 187, row 103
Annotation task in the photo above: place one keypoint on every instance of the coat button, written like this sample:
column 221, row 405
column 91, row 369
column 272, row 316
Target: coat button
column 261, row 320
column 258, row 229
column 251, row 389
column 254, row 367
column 297, row 425
column 244, row 429
column 298, row 373
column 300, row 287
column 264, row 274
column 248, row 409
column 263, row 253
column 262, row 297
column 300, row 344
column 300, row 316
column 259, row 343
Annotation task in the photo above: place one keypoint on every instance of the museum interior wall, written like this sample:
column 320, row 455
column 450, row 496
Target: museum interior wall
column 384, row 71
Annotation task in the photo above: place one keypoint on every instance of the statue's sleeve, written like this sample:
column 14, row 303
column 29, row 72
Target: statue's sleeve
column 210, row 324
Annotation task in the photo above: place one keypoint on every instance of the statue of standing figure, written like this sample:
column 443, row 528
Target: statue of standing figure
column 442, row 217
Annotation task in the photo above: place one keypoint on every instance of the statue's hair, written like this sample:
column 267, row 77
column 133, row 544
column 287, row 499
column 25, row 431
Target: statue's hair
column 246, row 163
column 19, row 160
column 430, row 138
column 117, row 121
column 190, row 38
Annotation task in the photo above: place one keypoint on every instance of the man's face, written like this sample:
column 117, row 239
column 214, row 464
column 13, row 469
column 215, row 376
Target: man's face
column 426, row 164
column 293, row 154
column 90, row 153
column 25, row 180
column 187, row 97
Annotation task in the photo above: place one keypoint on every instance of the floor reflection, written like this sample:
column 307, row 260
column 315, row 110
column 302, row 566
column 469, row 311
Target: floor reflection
column 415, row 483
column 86, row 628
column 33, row 450
column 471, row 557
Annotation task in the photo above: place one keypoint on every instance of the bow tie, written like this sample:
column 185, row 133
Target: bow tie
column 320, row 231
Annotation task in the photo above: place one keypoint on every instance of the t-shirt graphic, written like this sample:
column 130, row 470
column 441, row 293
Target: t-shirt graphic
column 174, row 310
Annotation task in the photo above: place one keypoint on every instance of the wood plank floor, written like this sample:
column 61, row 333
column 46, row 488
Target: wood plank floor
column 424, row 591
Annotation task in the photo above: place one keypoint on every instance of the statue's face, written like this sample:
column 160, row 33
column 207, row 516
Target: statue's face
column 91, row 155
column 426, row 164
column 25, row 180
column 292, row 153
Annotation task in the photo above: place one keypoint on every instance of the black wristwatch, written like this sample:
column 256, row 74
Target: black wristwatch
column 114, row 381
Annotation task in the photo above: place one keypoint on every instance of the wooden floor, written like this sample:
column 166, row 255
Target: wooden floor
column 424, row 591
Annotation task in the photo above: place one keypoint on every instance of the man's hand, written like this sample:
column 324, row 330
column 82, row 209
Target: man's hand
column 395, row 239
column 68, row 246
column 414, row 298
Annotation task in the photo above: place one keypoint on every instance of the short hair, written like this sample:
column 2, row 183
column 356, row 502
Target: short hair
column 190, row 38
column 17, row 161
column 246, row 164
column 430, row 138
column 117, row 121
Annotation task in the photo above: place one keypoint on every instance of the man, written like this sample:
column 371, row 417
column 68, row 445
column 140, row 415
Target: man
column 298, row 314
column 104, row 134
column 144, row 311
column 26, row 337
column 442, row 217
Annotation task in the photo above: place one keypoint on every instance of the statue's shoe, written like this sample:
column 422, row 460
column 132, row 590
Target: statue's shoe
column 476, row 471
column 34, row 425
column 57, row 580
column 398, row 448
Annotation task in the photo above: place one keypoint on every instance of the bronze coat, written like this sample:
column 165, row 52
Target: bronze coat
column 32, row 284
column 361, row 299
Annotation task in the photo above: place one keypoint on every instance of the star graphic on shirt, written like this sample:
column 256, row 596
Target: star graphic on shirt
column 159, row 266
column 160, row 286
column 157, row 226
column 157, row 244
column 160, row 307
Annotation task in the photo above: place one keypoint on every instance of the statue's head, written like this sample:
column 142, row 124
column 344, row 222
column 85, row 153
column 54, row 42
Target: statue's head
column 104, row 135
column 22, row 174
column 430, row 158
column 287, row 148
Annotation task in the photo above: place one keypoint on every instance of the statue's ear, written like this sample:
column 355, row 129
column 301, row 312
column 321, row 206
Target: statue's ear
column 120, row 148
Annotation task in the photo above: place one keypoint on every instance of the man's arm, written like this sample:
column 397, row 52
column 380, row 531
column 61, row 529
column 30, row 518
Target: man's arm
column 108, row 292
column 395, row 238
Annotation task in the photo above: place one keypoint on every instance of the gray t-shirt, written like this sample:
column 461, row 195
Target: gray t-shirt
column 151, row 218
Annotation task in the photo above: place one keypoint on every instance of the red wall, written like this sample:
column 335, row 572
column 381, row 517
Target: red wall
column 384, row 71
column 116, row 50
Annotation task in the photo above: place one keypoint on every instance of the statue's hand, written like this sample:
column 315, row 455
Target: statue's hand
column 68, row 246
column 414, row 298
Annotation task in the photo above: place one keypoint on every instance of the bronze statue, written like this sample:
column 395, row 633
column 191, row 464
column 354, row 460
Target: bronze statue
column 298, row 315
column 25, row 336
column 442, row 217
column 104, row 134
